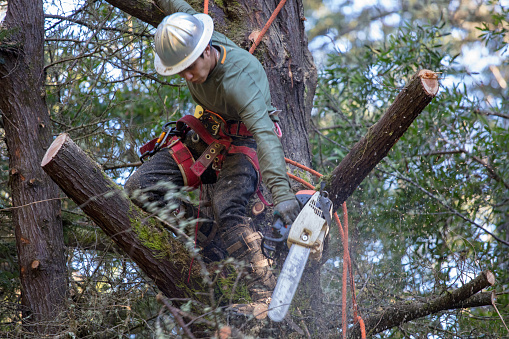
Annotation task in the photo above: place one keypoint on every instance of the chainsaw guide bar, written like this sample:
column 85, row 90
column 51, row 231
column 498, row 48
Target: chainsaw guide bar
column 305, row 237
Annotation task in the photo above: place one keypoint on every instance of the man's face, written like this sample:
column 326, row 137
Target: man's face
column 199, row 70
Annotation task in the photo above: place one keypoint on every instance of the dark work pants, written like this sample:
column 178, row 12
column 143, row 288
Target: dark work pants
column 235, row 185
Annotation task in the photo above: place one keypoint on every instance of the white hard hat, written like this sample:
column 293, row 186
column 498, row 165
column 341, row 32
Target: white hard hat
column 180, row 39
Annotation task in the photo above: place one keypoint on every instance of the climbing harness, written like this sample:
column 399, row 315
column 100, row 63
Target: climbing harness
column 219, row 144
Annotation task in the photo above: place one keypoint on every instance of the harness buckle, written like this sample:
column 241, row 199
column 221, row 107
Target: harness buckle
column 163, row 138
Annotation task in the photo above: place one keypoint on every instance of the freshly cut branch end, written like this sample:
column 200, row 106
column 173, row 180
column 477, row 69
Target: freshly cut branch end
column 490, row 277
column 429, row 81
column 35, row 264
column 54, row 148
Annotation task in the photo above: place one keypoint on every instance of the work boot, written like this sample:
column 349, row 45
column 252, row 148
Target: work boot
column 243, row 243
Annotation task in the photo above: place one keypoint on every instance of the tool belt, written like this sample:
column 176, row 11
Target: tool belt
column 217, row 138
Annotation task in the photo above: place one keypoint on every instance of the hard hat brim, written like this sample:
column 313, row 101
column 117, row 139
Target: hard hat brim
column 208, row 29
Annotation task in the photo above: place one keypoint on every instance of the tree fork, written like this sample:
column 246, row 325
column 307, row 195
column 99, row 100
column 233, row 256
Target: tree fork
column 380, row 138
column 463, row 297
column 109, row 207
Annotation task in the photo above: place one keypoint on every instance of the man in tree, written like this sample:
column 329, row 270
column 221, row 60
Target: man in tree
column 232, row 87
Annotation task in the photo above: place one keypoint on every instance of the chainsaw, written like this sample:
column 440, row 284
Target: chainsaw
column 305, row 237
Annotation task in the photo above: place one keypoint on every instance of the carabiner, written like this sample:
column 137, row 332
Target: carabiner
column 161, row 140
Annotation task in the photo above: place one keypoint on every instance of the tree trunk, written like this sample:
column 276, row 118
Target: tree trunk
column 376, row 144
column 109, row 207
column 290, row 69
column 35, row 198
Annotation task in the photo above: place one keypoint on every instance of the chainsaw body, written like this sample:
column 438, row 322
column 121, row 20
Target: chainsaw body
column 305, row 237
column 304, row 226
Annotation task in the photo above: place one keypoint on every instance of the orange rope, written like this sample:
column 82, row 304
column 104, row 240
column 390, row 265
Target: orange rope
column 218, row 116
column 206, row 7
column 363, row 327
column 266, row 27
column 347, row 263
column 352, row 283
column 295, row 163
column 302, row 181
column 344, row 240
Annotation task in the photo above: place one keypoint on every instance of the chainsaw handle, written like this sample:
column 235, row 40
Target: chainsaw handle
column 278, row 227
column 278, row 224
column 268, row 251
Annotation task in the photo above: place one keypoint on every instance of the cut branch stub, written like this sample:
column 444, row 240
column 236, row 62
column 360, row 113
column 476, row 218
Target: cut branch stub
column 109, row 207
column 382, row 136
column 429, row 81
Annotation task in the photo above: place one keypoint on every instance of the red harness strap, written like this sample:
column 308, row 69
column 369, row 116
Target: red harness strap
column 149, row 146
column 213, row 151
column 184, row 160
column 192, row 170
column 236, row 129
column 225, row 141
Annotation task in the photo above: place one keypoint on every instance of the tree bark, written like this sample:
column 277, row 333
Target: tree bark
column 290, row 69
column 376, row 144
column 109, row 207
column 397, row 314
column 35, row 198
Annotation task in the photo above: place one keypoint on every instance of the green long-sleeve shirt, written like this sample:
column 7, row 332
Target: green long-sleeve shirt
column 238, row 89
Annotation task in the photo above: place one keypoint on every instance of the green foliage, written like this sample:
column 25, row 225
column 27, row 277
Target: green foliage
column 111, row 101
column 418, row 216
column 229, row 288
column 413, row 220
column 495, row 32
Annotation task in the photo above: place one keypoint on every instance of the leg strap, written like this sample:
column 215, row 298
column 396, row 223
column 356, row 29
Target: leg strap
column 249, row 243
column 205, row 240
column 184, row 160
column 244, row 242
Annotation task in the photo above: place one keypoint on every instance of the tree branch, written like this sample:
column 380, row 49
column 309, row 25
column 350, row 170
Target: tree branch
column 129, row 165
column 93, row 27
column 175, row 312
column 491, row 171
column 110, row 208
column 380, row 138
column 497, row 114
column 147, row 11
column 399, row 313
